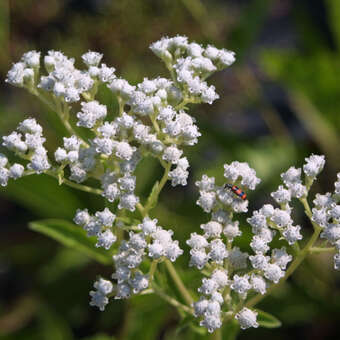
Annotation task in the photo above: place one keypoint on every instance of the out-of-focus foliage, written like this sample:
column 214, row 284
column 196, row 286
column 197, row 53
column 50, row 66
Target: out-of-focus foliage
column 278, row 104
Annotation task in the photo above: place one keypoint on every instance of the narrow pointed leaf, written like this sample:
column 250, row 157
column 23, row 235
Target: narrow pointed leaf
column 71, row 235
column 267, row 320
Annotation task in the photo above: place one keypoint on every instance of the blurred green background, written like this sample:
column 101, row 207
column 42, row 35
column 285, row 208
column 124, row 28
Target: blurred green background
column 279, row 103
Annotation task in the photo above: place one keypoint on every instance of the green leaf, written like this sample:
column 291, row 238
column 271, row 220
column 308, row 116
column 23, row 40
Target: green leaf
column 267, row 320
column 153, row 198
column 42, row 195
column 72, row 236
column 53, row 323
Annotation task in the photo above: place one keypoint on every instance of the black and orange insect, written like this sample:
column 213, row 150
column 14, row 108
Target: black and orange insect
column 237, row 191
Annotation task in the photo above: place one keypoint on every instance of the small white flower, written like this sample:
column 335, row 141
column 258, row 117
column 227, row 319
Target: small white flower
column 259, row 245
column 173, row 251
column 240, row 284
column 323, row 201
column 281, row 258
column 197, row 241
column 237, row 169
column 331, row 232
column 292, row 234
column 211, row 322
column 212, row 229
column 218, row 251
column 139, row 282
column 208, row 286
column 258, row 284
column 172, row 154
column 92, row 58
column 200, row 306
column 16, row 171
column 258, row 221
column 273, row 272
column 291, row 176
column 206, row 200
column 247, row 318
column 105, row 217
column 148, row 226
column 281, row 218
column 282, row 195
column 128, row 201
column 82, row 217
column 314, row 165
column 4, row 176
column 259, row 261
column 198, row 258
column 232, row 230
column 221, row 277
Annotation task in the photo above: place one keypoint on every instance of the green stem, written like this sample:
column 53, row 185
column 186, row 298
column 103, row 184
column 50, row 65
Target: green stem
column 121, row 104
column 317, row 250
column 305, row 204
column 172, row 301
column 294, row 265
column 141, row 209
column 63, row 118
column 302, row 255
column 153, row 268
column 167, row 167
column 178, row 282
column 155, row 124
column 75, row 185
column 217, row 335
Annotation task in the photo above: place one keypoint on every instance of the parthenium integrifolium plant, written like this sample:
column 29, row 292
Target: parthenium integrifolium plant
column 152, row 120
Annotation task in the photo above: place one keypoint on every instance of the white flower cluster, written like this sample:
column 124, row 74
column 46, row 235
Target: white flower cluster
column 214, row 248
column 243, row 274
column 151, row 118
column 152, row 241
column 99, row 225
column 192, row 64
column 80, row 158
column 27, row 142
column 154, row 122
column 151, row 121
column 213, row 198
column 247, row 318
column 326, row 214
column 24, row 72
column 99, row 296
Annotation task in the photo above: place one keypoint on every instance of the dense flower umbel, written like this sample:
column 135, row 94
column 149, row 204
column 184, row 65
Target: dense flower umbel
column 151, row 120
column 232, row 275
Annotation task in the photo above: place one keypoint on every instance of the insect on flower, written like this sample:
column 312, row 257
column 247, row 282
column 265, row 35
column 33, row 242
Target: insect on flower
column 237, row 191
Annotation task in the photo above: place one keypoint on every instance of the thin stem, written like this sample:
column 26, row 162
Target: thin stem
column 172, row 301
column 217, row 335
column 57, row 109
column 304, row 252
column 178, row 282
column 141, row 209
column 294, row 265
column 167, row 167
column 153, row 268
column 75, row 185
column 317, row 250
column 121, row 104
column 155, row 124
column 305, row 204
